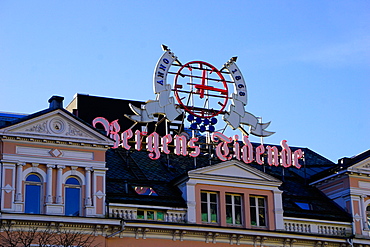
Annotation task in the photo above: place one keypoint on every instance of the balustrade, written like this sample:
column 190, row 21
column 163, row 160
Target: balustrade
column 131, row 214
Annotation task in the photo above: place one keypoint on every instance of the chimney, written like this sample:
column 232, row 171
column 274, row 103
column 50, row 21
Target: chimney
column 56, row 102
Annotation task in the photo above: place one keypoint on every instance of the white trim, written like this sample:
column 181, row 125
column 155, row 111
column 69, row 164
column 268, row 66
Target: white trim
column 29, row 170
column 73, row 173
column 318, row 221
column 144, row 206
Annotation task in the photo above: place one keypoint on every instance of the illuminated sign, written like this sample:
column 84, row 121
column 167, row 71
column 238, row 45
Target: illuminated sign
column 202, row 93
column 201, row 90
column 156, row 145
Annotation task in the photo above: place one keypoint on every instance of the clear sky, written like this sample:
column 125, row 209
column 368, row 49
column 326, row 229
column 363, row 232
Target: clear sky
column 306, row 63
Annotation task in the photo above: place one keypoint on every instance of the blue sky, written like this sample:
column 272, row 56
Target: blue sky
column 306, row 63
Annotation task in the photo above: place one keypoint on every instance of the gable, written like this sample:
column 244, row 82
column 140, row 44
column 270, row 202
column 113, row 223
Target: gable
column 233, row 170
column 56, row 125
column 362, row 165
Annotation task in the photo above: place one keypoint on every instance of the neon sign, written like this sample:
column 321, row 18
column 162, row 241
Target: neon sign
column 201, row 91
column 244, row 151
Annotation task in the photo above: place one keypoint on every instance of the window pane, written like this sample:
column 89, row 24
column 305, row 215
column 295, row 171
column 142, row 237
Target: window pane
column 72, row 202
column 73, row 181
column 238, row 215
column 204, row 212
column 33, row 198
column 140, row 215
column 203, row 197
column 150, row 215
column 228, row 199
column 213, row 213
column 261, row 202
column 261, row 215
column 160, row 216
column 253, row 216
column 33, row 178
column 252, row 201
column 237, row 200
column 229, row 214
column 213, row 197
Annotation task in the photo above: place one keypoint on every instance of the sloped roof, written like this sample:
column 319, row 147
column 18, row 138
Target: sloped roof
column 343, row 164
column 135, row 168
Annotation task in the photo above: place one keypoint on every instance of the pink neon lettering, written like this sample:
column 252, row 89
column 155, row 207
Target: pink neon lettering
column 191, row 144
column 247, row 150
column 285, row 154
column 180, row 145
column 259, row 151
column 102, row 121
column 138, row 140
column 272, row 156
column 111, row 129
column 298, row 154
column 222, row 150
column 236, row 147
column 167, row 139
column 125, row 136
column 153, row 146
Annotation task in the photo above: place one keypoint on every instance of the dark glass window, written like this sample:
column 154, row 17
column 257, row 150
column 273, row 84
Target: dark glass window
column 257, row 210
column 233, row 209
column 209, row 207
column 72, row 197
column 33, row 194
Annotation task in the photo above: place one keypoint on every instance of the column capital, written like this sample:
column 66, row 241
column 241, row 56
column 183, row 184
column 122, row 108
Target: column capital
column 21, row 164
column 60, row 166
column 49, row 166
column 90, row 169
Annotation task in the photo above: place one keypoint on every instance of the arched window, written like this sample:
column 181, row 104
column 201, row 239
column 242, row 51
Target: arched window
column 72, row 197
column 33, row 194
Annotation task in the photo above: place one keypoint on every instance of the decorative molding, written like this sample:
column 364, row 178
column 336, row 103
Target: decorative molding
column 55, row 152
column 8, row 188
column 99, row 194
column 40, row 128
column 73, row 131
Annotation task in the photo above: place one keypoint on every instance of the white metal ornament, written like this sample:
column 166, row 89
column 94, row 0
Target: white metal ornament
column 164, row 103
column 237, row 115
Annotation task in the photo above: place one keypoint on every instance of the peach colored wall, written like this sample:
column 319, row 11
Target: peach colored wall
column 222, row 190
column 354, row 182
column 99, row 202
column 8, row 198
column 150, row 242
column 10, row 148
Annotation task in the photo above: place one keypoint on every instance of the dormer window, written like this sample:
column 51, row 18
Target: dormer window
column 209, row 205
column 258, row 210
column 233, row 209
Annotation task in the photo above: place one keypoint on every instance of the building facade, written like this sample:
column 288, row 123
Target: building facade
column 60, row 173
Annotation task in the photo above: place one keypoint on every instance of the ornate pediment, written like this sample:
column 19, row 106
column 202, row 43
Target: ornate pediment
column 233, row 170
column 57, row 125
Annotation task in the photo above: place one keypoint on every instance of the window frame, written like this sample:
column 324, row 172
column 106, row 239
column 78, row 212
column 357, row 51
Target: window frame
column 73, row 186
column 257, row 209
column 208, row 203
column 28, row 184
column 233, row 209
column 155, row 214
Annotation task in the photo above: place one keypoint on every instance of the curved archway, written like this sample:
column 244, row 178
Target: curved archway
column 33, row 198
column 72, row 196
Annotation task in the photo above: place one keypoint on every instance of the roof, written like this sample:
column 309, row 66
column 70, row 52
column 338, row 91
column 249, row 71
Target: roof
column 128, row 169
column 343, row 164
